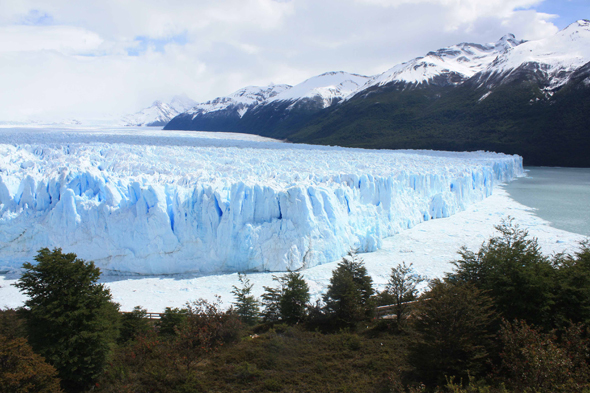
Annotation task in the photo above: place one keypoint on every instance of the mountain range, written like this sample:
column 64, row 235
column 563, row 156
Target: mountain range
column 530, row 98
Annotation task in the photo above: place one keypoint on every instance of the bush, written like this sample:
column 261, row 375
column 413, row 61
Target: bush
column 23, row 371
column 403, row 288
column 539, row 362
column 572, row 300
column 205, row 329
column 70, row 319
column 289, row 302
column 11, row 324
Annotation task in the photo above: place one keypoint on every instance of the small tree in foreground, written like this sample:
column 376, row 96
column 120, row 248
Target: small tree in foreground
column 247, row 306
column 403, row 287
column 70, row 319
column 349, row 292
column 295, row 298
column 288, row 302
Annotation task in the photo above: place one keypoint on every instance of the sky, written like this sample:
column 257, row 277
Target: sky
column 61, row 59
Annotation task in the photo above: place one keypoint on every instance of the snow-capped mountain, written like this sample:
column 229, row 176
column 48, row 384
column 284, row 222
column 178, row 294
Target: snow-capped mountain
column 251, row 104
column 240, row 101
column 528, row 98
column 450, row 65
column 327, row 89
column 551, row 60
column 159, row 113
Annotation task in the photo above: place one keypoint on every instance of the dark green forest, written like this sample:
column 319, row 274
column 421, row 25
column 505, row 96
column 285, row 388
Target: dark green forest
column 506, row 319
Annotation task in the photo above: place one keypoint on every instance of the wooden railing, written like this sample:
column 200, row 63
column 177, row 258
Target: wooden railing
column 149, row 315
column 388, row 311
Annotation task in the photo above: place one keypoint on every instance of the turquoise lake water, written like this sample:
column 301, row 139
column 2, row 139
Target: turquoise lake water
column 560, row 195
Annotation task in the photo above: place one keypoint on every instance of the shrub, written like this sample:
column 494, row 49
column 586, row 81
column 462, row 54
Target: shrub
column 538, row 362
column 403, row 288
column 518, row 277
column 22, row 371
column 11, row 324
column 205, row 329
column 289, row 302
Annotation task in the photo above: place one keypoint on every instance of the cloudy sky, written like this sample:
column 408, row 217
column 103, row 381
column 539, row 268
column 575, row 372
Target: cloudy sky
column 86, row 59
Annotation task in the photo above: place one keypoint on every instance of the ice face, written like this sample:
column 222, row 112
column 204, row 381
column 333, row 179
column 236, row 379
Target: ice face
column 163, row 203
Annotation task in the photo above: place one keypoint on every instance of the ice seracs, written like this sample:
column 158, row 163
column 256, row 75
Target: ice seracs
column 163, row 203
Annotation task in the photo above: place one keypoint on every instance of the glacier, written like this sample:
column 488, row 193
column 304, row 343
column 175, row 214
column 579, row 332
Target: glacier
column 162, row 202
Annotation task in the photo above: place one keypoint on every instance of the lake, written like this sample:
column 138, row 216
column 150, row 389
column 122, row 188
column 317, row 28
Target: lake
column 560, row 195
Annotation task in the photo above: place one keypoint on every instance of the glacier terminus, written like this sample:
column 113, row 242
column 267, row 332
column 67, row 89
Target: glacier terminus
column 165, row 202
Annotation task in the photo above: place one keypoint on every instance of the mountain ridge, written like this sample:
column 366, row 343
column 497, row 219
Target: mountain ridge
column 519, row 97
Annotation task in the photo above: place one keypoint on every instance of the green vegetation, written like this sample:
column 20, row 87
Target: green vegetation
column 507, row 319
column 516, row 118
column 288, row 302
column 349, row 296
column 247, row 306
column 70, row 319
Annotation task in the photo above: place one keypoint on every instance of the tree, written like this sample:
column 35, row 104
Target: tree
column 454, row 325
column 287, row 302
column 518, row 277
column 271, row 303
column 403, row 287
column 247, row 306
column 349, row 292
column 294, row 298
column 572, row 299
column 70, row 319
column 133, row 324
column 22, row 370
column 171, row 320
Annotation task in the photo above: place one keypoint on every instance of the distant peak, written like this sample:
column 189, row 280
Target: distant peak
column 509, row 40
column 582, row 23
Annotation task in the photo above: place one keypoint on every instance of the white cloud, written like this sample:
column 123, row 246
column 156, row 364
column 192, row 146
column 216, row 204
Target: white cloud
column 65, row 39
column 61, row 58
